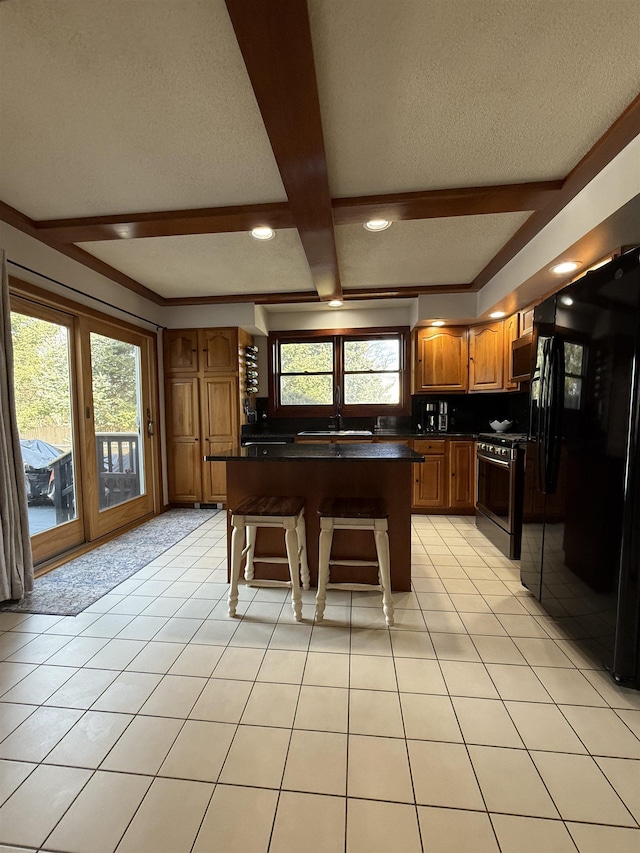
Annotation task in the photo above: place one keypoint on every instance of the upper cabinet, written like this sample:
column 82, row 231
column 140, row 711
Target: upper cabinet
column 486, row 357
column 441, row 356
column 204, row 350
column 511, row 331
column 181, row 350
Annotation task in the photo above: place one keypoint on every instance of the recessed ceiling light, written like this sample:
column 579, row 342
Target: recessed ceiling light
column 334, row 303
column 566, row 300
column 377, row 224
column 263, row 232
column 565, row 267
column 497, row 315
column 438, row 323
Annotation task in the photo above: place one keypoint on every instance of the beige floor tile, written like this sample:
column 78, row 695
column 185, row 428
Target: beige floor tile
column 156, row 657
column 375, row 712
column 12, row 775
column 543, row 727
column 454, row 831
column 419, row 676
column 568, row 686
column 78, row 651
column 542, row 652
column 197, row 660
column 57, row 787
column 330, row 638
column 631, row 719
column 429, row 718
column 435, row 601
column 100, row 814
column 89, row 741
column 470, row 603
column 580, row 790
column 169, row 817
column 507, row 604
column 199, row 751
column 596, row 839
column 175, row 696
column 624, row 775
column 468, row 679
column 257, row 757
column 296, row 811
column 239, row 663
column 531, row 835
column 518, row 683
column 616, row 696
column 486, row 624
column 293, row 637
column 522, row 626
column 412, row 644
column 255, row 635
column 443, row 775
column 369, row 672
column 32, row 685
column 374, row 826
column 128, row 693
column 322, row 709
column 602, row 731
column 510, row 782
column 373, row 641
column 142, row 627
column 282, row 666
column 116, row 654
column 316, row 763
column 222, row 701
column 325, row 669
column 39, row 649
column 498, row 650
column 454, row 647
column 33, row 739
column 108, row 625
column 143, row 746
column 262, row 611
column 225, row 827
column 271, row 705
column 11, row 716
column 83, row 688
column 378, row 769
column 485, row 721
column 444, row 622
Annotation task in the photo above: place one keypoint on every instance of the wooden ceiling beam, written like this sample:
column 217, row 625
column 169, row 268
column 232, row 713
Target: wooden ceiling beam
column 435, row 204
column 275, row 42
column 168, row 223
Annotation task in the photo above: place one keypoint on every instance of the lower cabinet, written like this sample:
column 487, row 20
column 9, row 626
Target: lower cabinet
column 446, row 480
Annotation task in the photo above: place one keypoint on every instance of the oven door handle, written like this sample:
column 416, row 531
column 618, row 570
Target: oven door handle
column 503, row 463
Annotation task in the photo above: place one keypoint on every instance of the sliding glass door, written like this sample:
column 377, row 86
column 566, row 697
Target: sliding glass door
column 117, row 426
column 45, row 389
column 86, row 403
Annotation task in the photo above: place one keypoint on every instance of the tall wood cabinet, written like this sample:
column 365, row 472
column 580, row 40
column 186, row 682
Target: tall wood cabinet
column 204, row 393
column 486, row 357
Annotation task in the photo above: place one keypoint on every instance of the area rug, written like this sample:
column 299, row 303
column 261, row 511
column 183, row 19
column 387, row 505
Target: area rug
column 69, row 589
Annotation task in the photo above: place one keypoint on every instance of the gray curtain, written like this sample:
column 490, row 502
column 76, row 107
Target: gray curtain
column 16, row 563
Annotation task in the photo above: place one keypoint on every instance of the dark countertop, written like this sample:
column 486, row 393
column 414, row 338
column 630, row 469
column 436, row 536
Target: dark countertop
column 271, row 433
column 326, row 452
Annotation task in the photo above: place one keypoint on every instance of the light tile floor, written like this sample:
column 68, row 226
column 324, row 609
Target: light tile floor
column 152, row 722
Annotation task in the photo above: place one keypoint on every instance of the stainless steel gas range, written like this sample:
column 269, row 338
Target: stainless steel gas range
column 500, row 460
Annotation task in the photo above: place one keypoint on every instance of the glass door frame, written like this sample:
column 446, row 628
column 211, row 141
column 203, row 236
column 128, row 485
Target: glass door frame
column 83, row 319
column 100, row 522
column 69, row 534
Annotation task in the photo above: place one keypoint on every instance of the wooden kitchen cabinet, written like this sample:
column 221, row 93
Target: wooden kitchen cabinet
column 486, row 359
column 440, row 359
column 430, row 481
column 511, row 331
column 204, row 390
column 462, row 475
column 446, row 480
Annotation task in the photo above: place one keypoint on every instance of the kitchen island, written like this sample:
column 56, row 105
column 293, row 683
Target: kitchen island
column 315, row 471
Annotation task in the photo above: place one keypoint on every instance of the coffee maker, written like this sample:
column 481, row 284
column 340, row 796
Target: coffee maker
column 435, row 416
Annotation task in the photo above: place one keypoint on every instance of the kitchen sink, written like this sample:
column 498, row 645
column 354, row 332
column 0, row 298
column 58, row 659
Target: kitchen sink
column 319, row 432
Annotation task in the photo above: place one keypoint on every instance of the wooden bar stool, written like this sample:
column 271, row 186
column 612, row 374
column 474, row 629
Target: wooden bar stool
column 254, row 512
column 354, row 514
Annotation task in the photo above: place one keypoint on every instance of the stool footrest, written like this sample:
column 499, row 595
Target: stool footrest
column 353, row 563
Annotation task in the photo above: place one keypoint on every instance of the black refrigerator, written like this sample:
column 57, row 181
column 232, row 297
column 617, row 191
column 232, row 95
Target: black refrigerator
column 581, row 515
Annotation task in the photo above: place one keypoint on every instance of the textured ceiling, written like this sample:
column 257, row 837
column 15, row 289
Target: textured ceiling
column 426, row 94
column 146, row 105
column 211, row 263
